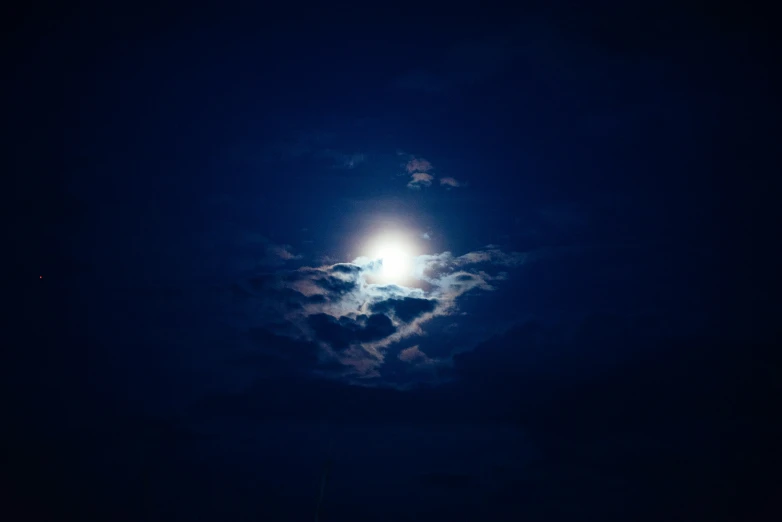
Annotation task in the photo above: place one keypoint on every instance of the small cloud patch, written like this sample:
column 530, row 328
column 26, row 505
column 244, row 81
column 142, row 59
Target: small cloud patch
column 449, row 182
column 418, row 165
column 420, row 180
column 415, row 356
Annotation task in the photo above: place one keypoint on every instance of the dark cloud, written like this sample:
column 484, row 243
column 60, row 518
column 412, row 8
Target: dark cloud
column 316, row 299
column 336, row 286
column 534, row 351
column 261, row 282
column 344, row 331
column 405, row 309
column 331, row 330
column 377, row 327
column 346, row 268
column 267, row 286
column 272, row 345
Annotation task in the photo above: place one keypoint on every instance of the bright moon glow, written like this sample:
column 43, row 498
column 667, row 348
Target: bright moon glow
column 396, row 255
column 396, row 263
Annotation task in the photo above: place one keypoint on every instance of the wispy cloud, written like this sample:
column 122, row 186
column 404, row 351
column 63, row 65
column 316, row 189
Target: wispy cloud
column 282, row 252
column 494, row 255
column 451, row 182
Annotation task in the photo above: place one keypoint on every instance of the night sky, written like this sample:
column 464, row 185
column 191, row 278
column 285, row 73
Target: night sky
column 367, row 263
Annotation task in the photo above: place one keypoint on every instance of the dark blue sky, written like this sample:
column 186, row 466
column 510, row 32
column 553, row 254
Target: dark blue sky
column 209, row 210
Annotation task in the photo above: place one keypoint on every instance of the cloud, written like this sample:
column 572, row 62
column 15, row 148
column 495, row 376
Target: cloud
column 353, row 321
column 335, row 285
column 414, row 355
column 407, row 308
column 280, row 347
column 421, row 176
column 281, row 252
column 451, row 182
column 346, row 268
column 435, row 267
column 343, row 331
column 492, row 254
column 418, row 165
column 419, row 180
column 419, row 171
column 426, row 236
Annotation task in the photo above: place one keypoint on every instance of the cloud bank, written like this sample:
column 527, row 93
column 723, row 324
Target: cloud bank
column 342, row 325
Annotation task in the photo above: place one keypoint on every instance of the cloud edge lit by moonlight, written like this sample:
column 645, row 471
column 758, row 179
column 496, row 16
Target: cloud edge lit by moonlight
column 347, row 324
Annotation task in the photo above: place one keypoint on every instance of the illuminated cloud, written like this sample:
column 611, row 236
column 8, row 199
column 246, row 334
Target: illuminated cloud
column 418, row 165
column 419, row 180
column 351, row 321
column 415, row 355
column 492, row 254
column 450, row 182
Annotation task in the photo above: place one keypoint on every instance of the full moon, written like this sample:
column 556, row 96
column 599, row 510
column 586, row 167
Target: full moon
column 395, row 254
column 395, row 261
